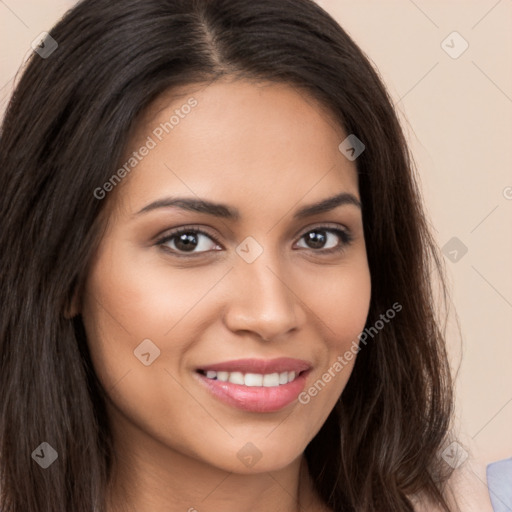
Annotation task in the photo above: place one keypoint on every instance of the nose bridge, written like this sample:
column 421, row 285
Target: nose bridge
column 265, row 303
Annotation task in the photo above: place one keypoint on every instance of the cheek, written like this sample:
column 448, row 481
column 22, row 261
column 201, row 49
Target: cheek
column 128, row 300
column 124, row 306
column 348, row 311
column 340, row 307
column 341, row 303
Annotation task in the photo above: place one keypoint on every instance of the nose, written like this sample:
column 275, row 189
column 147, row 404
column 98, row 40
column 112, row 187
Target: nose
column 262, row 301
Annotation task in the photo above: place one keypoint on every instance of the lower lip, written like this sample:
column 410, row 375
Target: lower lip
column 257, row 398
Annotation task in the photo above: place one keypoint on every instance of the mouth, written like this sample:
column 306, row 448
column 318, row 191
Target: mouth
column 256, row 385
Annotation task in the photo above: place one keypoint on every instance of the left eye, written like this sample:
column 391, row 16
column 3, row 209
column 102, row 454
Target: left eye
column 324, row 238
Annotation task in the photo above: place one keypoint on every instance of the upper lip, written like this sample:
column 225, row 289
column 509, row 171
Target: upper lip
column 263, row 366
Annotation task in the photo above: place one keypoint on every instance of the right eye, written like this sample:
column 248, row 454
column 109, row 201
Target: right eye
column 185, row 241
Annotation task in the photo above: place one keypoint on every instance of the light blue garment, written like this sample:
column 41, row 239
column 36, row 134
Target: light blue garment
column 499, row 482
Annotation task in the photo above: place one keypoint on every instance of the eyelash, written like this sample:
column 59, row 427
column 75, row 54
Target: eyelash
column 344, row 235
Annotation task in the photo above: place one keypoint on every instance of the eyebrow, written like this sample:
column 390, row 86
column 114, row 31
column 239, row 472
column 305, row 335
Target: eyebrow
column 227, row 212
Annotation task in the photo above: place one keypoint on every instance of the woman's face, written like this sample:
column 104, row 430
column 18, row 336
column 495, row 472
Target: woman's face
column 226, row 345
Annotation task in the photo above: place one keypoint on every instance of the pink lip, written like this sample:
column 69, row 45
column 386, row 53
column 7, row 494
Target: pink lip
column 259, row 398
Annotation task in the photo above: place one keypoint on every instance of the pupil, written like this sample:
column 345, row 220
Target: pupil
column 316, row 238
column 188, row 241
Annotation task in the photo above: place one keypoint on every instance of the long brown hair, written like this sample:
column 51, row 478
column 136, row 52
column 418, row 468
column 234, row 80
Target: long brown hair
column 64, row 131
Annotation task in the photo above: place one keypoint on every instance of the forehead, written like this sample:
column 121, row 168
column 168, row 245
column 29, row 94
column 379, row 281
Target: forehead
column 257, row 143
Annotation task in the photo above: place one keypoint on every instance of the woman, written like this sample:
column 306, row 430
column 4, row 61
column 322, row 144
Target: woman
column 216, row 276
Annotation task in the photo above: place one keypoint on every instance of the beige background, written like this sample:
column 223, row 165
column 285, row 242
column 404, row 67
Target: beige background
column 457, row 113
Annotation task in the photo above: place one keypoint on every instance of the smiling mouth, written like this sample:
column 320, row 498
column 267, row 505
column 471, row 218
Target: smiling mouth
column 254, row 392
column 267, row 380
column 255, row 385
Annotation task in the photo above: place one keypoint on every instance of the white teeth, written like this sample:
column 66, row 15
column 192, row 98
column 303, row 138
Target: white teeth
column 236, row 378
column 253, row 379
column 223, row 376
column 271, row 380
column 268, row 380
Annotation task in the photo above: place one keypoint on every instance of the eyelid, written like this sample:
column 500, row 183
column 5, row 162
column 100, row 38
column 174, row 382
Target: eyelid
column 323, row 225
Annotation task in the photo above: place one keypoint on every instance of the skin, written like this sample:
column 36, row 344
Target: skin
column 266, row 150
